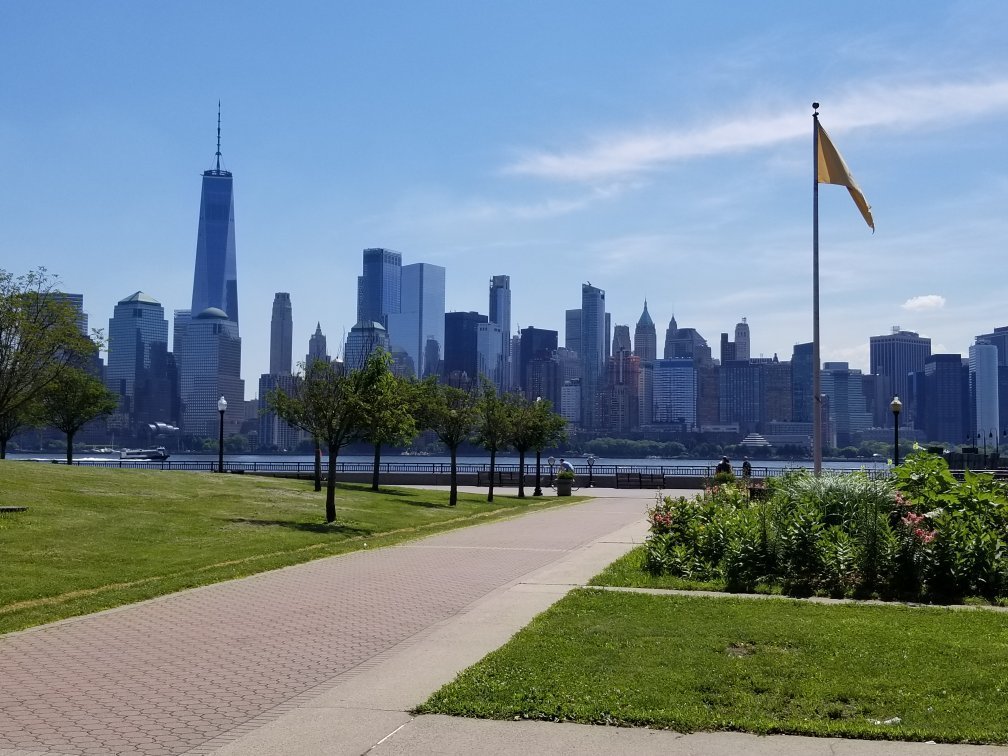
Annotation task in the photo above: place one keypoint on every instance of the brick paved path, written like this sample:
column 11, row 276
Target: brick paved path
column 172, row 675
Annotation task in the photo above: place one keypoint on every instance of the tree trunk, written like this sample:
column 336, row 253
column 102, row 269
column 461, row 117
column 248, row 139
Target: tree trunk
column 377, row 465
column 521, row 473
column 70, row 448
column 318, row 466
column 538, row 488
column 330, row 495
column 3, row 448
column 453, row 493
column 493, row 466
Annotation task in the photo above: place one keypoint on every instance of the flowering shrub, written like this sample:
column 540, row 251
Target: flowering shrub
column 922, row 534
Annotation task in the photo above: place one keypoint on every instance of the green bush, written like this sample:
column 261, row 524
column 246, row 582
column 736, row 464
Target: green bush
column 920, row 535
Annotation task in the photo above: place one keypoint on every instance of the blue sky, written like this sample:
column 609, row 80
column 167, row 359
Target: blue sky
column 657, row 149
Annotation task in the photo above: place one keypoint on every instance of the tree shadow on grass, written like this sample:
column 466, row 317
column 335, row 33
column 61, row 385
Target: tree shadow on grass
column 309, row 527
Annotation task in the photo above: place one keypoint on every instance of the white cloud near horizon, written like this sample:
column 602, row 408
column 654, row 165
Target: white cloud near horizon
column 924, row 302
column 876, row 105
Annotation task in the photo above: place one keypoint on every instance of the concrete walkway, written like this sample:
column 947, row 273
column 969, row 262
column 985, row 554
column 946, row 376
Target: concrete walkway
column 329, row 657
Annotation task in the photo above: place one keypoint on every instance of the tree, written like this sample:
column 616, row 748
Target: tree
column 39, row 337
column 14, row 421
column 523, row 433
column 451, row 413
column 547, row 430
column 72, row 399
column 390, row 411
column 493, row 426
column 328, row 403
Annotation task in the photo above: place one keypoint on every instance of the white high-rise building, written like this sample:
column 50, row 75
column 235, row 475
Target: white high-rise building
column 674, row 392
column 421, row 314
column 490, row 353
column 742, row 340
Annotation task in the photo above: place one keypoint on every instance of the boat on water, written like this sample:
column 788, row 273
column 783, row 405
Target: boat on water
column 146, row 454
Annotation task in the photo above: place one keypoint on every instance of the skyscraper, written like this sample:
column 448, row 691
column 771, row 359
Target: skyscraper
column 801, row 383
column 137, row 362
column 281, row 335
column 572, row 332
column 536, row 343
column 379, row 289
column 645, row 338
column 209, row 368
column 317, row 346
column 674, row 393
column 983, row 377
column 742, row 340
column 500, row 313
column 207, row 341
column 943, row 403
column 215, row 280
column 363, row 339
column 461, row 360
column 490, row 353
column 895, row 356
column 592, row 349
column 421, row 312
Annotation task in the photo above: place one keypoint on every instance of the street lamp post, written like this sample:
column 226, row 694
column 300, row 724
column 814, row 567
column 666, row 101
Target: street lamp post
column 590, row 461
column 551, row 461
column 538, row 485
column 221, row 406
column 895, row 405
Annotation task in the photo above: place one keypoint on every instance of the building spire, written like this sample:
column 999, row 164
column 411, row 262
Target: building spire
column 218, row 135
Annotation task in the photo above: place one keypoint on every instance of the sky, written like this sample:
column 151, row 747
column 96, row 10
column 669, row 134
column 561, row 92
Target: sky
column 659, row 150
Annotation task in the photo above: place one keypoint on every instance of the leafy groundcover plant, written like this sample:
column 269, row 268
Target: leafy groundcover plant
column 920, row 535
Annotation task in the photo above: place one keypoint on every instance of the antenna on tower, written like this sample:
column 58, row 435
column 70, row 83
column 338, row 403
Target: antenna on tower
column 218, row 135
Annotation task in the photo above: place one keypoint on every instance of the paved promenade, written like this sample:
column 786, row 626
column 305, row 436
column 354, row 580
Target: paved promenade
column 329, row 657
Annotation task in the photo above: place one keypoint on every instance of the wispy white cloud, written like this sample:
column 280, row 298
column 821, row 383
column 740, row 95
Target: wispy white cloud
column 924, row 302
column 897, row 106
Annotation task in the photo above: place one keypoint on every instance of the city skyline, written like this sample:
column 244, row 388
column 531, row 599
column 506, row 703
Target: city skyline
column 662, row 153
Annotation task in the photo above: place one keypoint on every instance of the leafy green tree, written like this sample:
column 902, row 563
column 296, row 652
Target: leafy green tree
column 547, row 429
column 328, row 404
column 73, row 398
column 451, row 413
column 39, row 337
column 524, row 432
column 493, row 426
column 14, row 421
column 390, row 409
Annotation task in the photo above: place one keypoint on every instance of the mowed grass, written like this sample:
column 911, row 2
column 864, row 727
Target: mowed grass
column 764, row 666
column 95, row 538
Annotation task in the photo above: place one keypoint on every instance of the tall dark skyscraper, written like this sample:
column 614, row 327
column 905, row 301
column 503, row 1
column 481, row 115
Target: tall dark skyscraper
column 281, row 335
column 645, row 337
column 593, row 345
column 895, row 356
column 215, row 280
column 460, row 352
column 379, row 289
column 208, row 348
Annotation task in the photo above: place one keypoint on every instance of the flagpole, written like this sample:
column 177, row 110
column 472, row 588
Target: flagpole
column 816, row 385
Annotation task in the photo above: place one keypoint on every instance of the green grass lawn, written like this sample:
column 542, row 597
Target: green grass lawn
column 765, row 666
column 95, row 538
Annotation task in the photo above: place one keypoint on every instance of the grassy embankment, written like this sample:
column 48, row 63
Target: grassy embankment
column 95, row 538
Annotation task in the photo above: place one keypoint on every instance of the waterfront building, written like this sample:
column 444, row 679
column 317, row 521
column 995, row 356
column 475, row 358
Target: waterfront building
column 432, row 364
column 592, row 350
column 848, row 413
column 983, row 378
column 421, row 314
column 215, row 279
column 708, row 403
column 570, row 402
column 618, row 404
column 998, row 338
column 943, row 402
column 740, row 394
column 777, row 400
column 275, row 433
column 76, row 303
column 139, row 370
column 500, row 313
column 674, row 393
column 681, row 343
column 281, row 335
column 379, row 292
column 209, row 368
column 621, row 341
column 545, row 378
column 742, row 340
column 801, row 383
column 894, row 357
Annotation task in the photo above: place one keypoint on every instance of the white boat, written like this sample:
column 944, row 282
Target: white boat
column 148, row 454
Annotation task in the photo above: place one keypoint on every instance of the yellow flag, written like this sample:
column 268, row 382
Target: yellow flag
column 833, row 170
